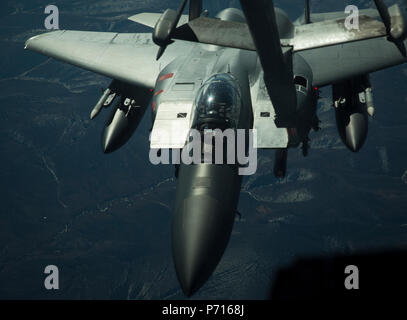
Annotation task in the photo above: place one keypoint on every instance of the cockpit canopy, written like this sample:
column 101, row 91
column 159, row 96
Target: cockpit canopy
column 218, row 103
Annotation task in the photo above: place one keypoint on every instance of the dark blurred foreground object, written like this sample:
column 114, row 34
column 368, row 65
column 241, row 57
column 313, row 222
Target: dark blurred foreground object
column 382, row 275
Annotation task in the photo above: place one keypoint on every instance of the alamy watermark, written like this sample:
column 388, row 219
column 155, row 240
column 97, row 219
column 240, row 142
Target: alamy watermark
column 352, row 20
column 212, row 146
column 51, row 22
column 352, row 280
column 51, row 281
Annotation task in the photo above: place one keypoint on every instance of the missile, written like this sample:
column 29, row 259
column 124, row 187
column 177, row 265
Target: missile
column 205, row 207
column 109, row 100
column 100, row 103
column 369, row 102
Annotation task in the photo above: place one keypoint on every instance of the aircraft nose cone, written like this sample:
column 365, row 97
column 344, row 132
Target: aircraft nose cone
column 205, row 208
column 202, row 234
column 356, row 131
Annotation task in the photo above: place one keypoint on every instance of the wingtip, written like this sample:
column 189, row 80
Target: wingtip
column 27, row 44
column 29, row 41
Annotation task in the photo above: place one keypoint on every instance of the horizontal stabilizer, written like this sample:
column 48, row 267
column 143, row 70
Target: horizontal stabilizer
column 150, row 19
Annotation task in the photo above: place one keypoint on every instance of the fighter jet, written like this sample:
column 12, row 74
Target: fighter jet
column 249, row 69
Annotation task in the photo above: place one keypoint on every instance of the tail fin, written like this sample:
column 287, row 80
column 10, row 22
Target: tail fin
column 307, row 12
column 195, row 9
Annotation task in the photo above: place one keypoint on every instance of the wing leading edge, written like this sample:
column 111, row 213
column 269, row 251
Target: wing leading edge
column 127, row 57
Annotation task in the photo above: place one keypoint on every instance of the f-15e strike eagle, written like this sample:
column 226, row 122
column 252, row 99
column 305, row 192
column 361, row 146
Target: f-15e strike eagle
column 250, row 69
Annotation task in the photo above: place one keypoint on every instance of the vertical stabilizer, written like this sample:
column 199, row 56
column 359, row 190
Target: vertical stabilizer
column 307, row 12
column 195, row 9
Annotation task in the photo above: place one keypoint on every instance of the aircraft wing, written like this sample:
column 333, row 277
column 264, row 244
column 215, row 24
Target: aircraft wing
column 127, row 57
column 336, row 63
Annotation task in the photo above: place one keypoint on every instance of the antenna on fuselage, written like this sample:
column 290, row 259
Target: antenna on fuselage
column 307, row 12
